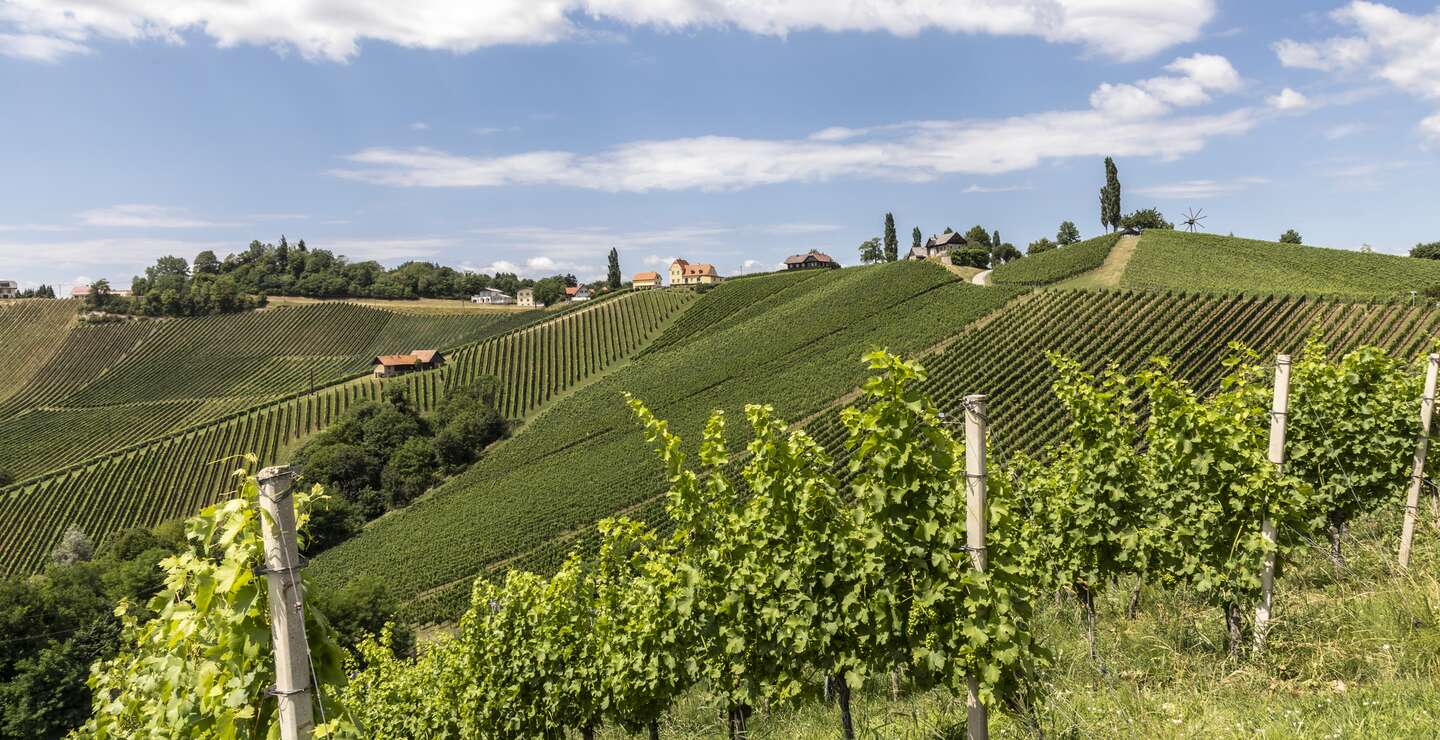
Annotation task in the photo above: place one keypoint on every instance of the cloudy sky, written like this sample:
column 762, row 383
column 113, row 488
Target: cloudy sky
column 533, row 135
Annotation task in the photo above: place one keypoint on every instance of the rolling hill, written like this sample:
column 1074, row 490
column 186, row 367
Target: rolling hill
column 172, row 474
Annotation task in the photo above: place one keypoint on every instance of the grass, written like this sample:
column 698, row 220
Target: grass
column 433, row 306
column 1176, row 259
column 1055, row 265
column 1352, row 654
column 1110, row 272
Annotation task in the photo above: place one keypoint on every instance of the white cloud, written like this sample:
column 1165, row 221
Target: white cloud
column 317, row 29
column 129, row 253
column 911, row 151
column 142, row 215
column 1197, row 76
column 1394, row 46
column 1330, row 54
column 419, row 126
column 786, row 229
column 1343, row 130
column 38, row 48
column 1199, row 188
column 387, row 249
column 1430, row 128
column 655, row 260
column 996, row 188
column 486, row 130
column 1288, row 99
column 35, row 227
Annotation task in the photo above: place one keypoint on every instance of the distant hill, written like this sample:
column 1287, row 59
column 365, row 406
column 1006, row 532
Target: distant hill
column 1185, row 261
column 147, row 473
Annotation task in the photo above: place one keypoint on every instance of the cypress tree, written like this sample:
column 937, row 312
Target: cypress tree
column 1110, row 197
column 915, row 237
column 613, row 279
column 892, row 244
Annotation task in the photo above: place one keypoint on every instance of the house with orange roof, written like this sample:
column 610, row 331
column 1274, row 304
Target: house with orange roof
column 700, row 273
column 650, row 279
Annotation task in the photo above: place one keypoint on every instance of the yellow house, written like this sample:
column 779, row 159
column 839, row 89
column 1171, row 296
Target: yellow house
column 684, row 273
column 646, row 280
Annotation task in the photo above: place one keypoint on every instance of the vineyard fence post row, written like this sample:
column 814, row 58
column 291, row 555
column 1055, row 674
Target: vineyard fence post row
column 1417, row 470
column 287, row 607
column 1279, row 409
column 977, row 719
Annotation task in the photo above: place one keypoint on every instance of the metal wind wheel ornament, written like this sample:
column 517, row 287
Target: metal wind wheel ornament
column 1193, row 219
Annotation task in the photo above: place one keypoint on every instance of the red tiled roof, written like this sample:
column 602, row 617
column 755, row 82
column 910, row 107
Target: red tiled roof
column 396, row 360
column 646, row 276
column 426, row 356
column 796, row 259
column 699, row 269
column 572, row 290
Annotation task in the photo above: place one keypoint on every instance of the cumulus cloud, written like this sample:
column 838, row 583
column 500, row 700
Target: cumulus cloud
column 419, row 126
column 143, row 215
column 317, row 29
column 996, row 188
column 1288, row 99
column 1124, row 120
column 1397, row 47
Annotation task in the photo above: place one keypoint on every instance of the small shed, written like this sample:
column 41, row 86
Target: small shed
column 391, row 365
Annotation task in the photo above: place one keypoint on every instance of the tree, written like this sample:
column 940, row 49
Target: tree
column 98, row 299
column 971, row 257
column 613, row 275
column 1146, row 218
column 916, row 240
column 549, row 291
column 6, row 477
column 74, row 547
column 1040, row 246
column 871, row 251
column 206, row 263
column 892, row 244
column 1110, row 197
column 1429, row 251
column 995, row 240
column 1067, row 234
column 1004, row 253
column 1290, row 236
column 977, row 236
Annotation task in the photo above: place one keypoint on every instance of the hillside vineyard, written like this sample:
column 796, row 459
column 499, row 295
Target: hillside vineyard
column 173, row 475
column 531, row 519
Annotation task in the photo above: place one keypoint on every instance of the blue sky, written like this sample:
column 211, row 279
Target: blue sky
column 535, row 135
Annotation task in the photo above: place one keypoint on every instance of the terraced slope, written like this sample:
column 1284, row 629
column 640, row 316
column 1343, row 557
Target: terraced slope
column 1184, row 261
column 1057, row 264
column 112, row 385
column 535, row 497
column 31, row 331
column 173, row 475
column 793, row 343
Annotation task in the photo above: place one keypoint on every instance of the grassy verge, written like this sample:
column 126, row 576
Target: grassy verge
column 1353, row 654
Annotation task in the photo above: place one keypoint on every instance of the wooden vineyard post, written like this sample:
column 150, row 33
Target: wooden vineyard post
column 1278, row 412
column 1417, row 470
column 287, row 608
column 977, row 718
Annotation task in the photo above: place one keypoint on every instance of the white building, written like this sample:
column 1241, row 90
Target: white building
column 492, row 296
column 9, row 288
column 525, row 297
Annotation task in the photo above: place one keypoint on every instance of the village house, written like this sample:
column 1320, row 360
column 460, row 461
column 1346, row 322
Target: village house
column 646, row 280
column 525, row 297
column 812, row 260
column 700, row 273
column 421, row 359
column 491, row 296
column 578, row 293
column 9, row 288
column 936, row 246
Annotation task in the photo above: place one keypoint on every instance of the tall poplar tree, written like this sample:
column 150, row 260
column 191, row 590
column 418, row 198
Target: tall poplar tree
column 915, row 238
column 613, row 279
column 892, row 244
column 1110, row 197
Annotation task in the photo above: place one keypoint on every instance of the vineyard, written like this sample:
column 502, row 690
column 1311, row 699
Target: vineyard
column 111, row 385
column 531, row 513
column 1056, row 264
column 795, row 347
column 1180, row 260
column 28, row 330
column 152, row 480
